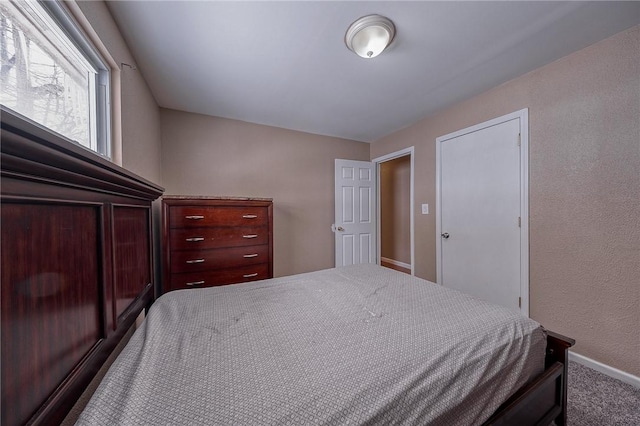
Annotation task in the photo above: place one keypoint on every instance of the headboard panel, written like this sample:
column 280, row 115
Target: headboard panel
column 76, row 252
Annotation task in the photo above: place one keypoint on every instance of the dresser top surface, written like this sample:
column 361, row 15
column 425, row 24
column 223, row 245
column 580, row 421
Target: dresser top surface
column 207, row 197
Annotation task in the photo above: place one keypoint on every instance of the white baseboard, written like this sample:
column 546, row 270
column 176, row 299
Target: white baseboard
column 605, row 369
column 395, row 262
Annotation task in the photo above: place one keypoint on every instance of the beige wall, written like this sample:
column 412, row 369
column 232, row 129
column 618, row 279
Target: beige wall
column 395, row 193
column 203, row 155
column 140, row 111
column 584, row 195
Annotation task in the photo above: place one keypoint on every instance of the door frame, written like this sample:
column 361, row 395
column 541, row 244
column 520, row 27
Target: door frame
column 523, row 116
column 377, row 161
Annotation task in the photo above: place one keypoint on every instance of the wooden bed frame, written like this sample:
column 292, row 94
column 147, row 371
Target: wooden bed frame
column 544, row 399
column 77, row 267
column 58, row 328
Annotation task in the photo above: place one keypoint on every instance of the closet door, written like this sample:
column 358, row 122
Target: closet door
column 482, row 212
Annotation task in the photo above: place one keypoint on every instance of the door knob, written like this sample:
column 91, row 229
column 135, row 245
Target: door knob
column 335, row 228
column 445, row 235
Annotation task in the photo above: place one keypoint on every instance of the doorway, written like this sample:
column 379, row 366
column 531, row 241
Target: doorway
column 395, row 247
column 357, row 205
column 395, row 210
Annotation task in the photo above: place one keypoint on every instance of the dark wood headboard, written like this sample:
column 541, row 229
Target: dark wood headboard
column 77, row 267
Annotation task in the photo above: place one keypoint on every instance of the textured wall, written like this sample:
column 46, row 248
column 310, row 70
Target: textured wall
column 395, row 222
column 140, row 111
column 584, row 191
column 203, row 155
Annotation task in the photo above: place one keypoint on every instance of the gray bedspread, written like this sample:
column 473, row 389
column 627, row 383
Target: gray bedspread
column 348, row 346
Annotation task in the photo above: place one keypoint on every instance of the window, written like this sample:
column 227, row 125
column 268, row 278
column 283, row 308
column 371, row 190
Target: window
column 52, row 75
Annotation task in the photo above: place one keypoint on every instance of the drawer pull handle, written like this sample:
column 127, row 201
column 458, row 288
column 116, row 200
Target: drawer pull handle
column 249, row 216
column 195, row 261
column 248, row 255
column 195, row 239
column 255, row 274
column 195, row 283
column 250, row 236
column 194, row 217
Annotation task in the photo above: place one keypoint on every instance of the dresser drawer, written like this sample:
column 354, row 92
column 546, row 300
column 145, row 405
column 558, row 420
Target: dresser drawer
column 215, row 237
column 220, row 276
column 202, row 260
column 202, row 216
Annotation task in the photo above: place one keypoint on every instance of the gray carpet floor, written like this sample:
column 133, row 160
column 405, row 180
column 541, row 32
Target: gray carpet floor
column 595, row 399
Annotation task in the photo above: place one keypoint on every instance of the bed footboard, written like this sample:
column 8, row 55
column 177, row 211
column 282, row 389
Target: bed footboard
column 544, row 399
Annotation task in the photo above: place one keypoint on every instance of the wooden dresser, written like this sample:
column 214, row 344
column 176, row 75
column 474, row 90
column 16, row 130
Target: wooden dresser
column 210, row 241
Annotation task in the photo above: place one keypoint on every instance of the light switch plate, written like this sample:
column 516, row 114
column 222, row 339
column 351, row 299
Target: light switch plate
column 425, row 209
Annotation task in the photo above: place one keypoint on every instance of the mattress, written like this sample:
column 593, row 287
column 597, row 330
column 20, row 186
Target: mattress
column 347, row 346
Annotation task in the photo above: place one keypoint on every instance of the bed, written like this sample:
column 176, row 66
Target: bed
column 77, row 270
column 355, row 345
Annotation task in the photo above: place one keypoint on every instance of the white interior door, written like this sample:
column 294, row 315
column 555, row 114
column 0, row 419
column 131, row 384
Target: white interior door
column 480, row 233
column 355, row 214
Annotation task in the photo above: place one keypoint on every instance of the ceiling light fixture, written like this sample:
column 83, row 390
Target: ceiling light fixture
column 370, row 35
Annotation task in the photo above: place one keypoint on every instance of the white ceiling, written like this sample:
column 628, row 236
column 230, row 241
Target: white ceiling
column 285, row 64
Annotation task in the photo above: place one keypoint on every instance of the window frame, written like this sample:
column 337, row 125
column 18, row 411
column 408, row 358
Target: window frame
column 100, row 87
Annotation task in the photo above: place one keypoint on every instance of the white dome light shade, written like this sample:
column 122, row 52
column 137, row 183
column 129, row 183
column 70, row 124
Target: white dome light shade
column 370, row 35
